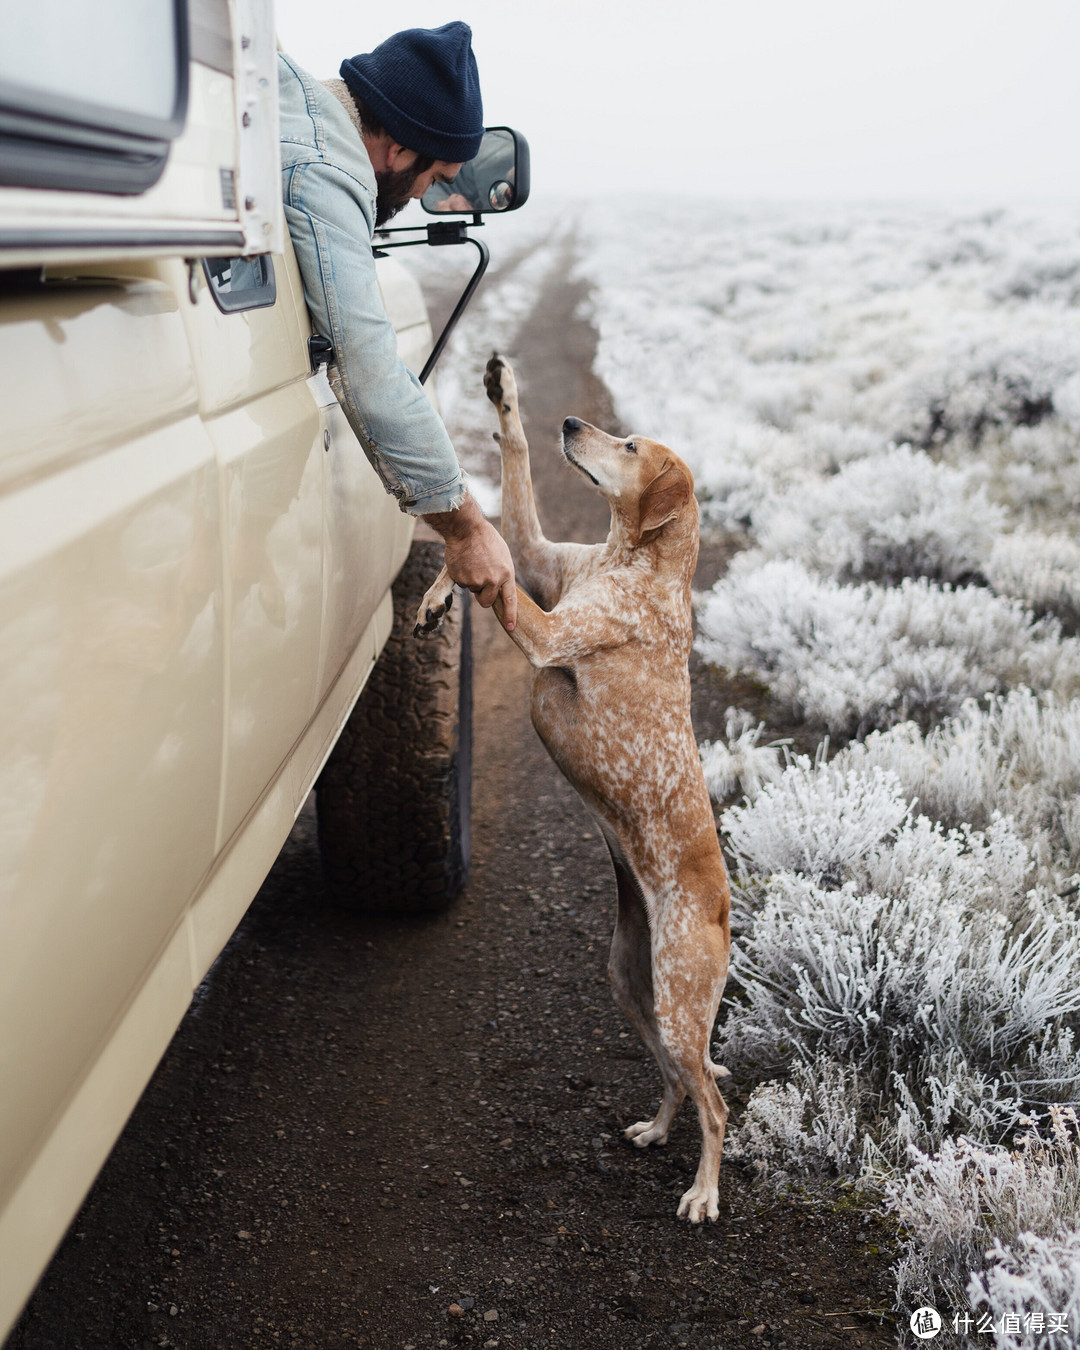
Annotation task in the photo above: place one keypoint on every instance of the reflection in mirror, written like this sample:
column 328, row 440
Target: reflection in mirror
column 496, row 180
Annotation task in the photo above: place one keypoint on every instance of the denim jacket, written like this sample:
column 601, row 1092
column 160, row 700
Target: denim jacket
column 328, row 186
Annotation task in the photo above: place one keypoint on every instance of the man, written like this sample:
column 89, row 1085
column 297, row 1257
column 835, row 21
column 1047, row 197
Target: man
column 354, row 152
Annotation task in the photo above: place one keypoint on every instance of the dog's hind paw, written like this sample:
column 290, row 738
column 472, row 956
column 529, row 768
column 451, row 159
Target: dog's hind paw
column 700, row 1203
column 434, row 607
column 500, row 383
column 646, row 1132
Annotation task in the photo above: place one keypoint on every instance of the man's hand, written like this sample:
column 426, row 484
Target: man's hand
column 477, row 557
column 455, row 202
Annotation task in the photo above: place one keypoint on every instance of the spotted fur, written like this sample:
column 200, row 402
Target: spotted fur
column 607, row 628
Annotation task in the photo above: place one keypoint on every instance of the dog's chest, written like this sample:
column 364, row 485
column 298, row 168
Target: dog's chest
column 616, row 726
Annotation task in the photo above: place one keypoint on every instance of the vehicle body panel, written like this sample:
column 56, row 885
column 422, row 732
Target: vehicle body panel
column 271, row 454
column 111, row 652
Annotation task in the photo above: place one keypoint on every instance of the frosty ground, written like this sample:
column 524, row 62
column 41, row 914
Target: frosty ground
column 882, row 408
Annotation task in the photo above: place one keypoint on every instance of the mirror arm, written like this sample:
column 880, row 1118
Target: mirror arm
column 437, row 231
column 440, row 234
column 459, row 308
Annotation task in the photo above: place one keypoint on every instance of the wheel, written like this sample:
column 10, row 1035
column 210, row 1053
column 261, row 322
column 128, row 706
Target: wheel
column 394, row 798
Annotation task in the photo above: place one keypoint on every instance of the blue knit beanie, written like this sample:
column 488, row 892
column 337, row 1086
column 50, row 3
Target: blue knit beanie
column 423, row 87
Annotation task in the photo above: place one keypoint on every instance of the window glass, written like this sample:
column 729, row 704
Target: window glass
column 118, row 56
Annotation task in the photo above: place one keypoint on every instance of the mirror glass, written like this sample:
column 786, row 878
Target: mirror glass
column 496, row 180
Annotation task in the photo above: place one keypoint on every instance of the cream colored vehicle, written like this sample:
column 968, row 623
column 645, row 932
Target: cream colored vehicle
column 196, row 564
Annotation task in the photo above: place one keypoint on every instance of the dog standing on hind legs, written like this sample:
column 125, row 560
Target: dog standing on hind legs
column 608, row 629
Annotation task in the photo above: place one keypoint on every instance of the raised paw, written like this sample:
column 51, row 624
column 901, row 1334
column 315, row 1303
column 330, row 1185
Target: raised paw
column 646, row 1132
column 500, row 384
column 434, row 607
column 700, row 1203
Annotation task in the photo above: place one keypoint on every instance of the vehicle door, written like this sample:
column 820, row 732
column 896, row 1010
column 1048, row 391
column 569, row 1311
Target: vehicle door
column 111, row 669
column 252, row 367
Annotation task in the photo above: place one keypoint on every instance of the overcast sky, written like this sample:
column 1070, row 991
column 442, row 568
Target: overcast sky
column 837, row 99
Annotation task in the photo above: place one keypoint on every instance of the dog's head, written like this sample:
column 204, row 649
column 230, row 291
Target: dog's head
column 645, row 483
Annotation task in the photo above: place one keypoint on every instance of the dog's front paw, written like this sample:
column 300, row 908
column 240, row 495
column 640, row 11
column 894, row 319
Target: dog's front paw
column 646, row 1132
column 700, row 1203
column 500, row 384
column 434, row 607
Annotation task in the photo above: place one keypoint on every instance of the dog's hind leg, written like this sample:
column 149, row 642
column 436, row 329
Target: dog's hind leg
column 689, row 969
column 630, row 973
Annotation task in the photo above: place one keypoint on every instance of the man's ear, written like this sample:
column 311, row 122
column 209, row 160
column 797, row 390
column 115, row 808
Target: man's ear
column 663, row 499
column 398, row 157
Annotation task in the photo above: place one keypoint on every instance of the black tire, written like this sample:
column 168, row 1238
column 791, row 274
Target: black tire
column 394, row 798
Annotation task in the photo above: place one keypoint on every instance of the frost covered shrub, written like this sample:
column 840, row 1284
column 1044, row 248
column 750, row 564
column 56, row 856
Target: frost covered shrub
column 740, row 763
column 857, row 657
column 805, row 1127
column 914, row 956
column 1032, row 1292
column 832, row 443
column 995, row 1227
column 916, row 995
column 956, row 1097
column 882, row 518
column 895, row 985
column 1053, row 277
column 1041, row 570
column 1017, row 755
column 996, row 381
column 824, row 1123
column 1034, row 472
column 1067, row 402
column 816, row 819
column 746, row 462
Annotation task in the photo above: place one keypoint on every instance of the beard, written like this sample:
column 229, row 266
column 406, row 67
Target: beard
column 394, row 192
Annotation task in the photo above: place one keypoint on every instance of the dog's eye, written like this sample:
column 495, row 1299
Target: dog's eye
column 631, row 447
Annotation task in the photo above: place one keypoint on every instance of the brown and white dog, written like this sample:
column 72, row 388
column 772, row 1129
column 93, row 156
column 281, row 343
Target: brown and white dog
column 609, row 634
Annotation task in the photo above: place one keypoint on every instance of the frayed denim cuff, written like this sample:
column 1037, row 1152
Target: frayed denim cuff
column 447, row 497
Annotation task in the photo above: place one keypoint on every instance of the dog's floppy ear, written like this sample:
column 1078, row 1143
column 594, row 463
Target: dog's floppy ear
column 663, row 499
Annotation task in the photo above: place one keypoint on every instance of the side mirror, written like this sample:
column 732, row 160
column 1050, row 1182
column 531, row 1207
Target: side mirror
column 496, row 180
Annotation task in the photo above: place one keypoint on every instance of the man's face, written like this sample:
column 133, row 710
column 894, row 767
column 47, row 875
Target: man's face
column 400, row 185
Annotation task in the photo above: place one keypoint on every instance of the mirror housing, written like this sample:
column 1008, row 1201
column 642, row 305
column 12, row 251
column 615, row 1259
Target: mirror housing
column 496, row 180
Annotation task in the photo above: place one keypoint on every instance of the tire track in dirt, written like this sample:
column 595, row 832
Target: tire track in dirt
column 364, row 1121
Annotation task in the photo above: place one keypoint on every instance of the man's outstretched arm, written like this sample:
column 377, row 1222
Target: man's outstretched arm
column 477, row 557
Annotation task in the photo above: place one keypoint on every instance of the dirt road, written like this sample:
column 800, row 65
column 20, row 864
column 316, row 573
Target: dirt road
column 409, row 1134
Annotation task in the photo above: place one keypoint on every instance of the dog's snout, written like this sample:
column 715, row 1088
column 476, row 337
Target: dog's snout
column 572, row 424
